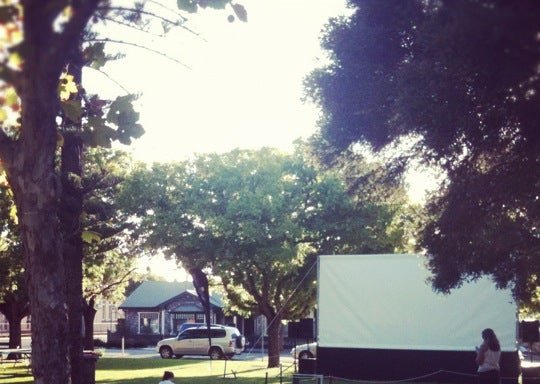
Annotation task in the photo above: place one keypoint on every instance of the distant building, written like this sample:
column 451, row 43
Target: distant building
column 158, row 308
column 107, row 315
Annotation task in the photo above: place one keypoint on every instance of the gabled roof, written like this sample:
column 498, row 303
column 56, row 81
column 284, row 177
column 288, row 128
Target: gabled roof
column 152, row 294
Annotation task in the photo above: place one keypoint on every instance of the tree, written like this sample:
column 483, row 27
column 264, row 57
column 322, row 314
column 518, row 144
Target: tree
column 458, row 80
column 109, row 250
column 108, row 260
column 43, row 38
column 257, row 219
column 13, row 296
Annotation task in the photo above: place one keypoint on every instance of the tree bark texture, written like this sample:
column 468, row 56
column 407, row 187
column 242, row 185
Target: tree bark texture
column 274, row 340
column 71, row 206
column 89, row 314
column 29, row 161
column 31, row 172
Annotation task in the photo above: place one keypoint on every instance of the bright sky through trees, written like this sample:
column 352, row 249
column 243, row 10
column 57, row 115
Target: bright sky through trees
column 244, row 85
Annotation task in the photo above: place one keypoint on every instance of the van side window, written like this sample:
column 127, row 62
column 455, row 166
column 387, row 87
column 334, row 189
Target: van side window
column 199, row 333
column 217, row 333
column 187, row 334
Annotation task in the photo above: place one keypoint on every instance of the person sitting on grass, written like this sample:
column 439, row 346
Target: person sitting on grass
column 167, row 376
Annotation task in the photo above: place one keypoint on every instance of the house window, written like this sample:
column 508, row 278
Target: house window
column 177, row 319
column 148, row 323
column 113, row 313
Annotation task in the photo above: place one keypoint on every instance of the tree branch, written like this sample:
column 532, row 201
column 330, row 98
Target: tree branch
column 83, row 11
column 109, row 286
column 130, row 26
column 107, row 40
column 154, row 15
column 168, row 9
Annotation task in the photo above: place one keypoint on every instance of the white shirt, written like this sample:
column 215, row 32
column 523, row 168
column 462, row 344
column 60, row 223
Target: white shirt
column 491, row 361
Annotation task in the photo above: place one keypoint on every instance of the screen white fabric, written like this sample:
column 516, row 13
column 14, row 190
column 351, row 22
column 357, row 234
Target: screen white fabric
column 386, row 302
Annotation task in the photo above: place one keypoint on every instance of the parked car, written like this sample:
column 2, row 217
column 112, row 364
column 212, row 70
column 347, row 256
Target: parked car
column 305, row 351
column 226, row 342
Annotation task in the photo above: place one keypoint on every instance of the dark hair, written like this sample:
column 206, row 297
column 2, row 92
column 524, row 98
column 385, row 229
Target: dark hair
column 491, row 339
column 168, row 375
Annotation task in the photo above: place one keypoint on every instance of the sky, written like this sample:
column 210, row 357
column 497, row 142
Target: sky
column 243, row 87
column 228, row 85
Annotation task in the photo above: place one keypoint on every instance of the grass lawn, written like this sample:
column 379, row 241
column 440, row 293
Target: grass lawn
column 192, row 371
column 149, row 371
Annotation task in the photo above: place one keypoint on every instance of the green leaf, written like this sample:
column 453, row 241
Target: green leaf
column 73, row 110
column 240, row 12
column 215, row 4
column 11, row 97
column 97, row 133
column 121, row 111
column 67, row 86
column 187, row 5
column 95, row 55
column 90, row 237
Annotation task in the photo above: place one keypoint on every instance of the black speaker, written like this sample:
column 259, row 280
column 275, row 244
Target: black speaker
column 306, row 329
column 528, row 331
column 292, row 330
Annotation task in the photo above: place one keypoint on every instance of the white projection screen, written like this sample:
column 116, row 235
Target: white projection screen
column 386, row 302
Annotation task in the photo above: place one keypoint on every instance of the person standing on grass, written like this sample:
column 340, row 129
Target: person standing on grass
column 167, row 376
column 488, row 357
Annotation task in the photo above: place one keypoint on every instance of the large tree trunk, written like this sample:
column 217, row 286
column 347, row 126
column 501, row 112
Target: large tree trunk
column 71, row 208
column 274, row 340
column 36, row 188
column 70, row 212
column 89, row 315
column 36, row 191
column 36, row 195
column 29, row 161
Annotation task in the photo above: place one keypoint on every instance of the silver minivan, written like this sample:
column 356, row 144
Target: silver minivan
column 226, row 342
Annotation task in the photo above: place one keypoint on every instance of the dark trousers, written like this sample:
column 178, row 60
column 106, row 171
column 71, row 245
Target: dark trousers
column 489, row 377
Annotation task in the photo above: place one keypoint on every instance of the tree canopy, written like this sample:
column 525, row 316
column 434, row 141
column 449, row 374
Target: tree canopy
column 458, row 81
column 257, row 219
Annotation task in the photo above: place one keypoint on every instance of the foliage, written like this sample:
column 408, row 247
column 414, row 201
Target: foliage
column 109, row 251
column 11, row 253
column 257, row 219
column 11, row 260
column 459, row 80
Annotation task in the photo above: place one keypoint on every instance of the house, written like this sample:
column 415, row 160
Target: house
column 157, row 309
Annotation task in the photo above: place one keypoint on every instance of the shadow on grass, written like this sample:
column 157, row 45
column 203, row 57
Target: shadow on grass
column 121, row 364
column 150, row 371
column 195, row 380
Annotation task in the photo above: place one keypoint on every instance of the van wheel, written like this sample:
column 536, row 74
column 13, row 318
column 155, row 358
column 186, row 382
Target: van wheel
column 166, row 352
column 215, row 353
